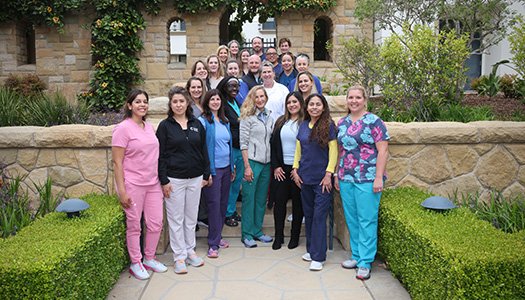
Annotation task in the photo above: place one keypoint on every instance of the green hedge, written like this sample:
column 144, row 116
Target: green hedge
column 60, row 258
column 450, row 255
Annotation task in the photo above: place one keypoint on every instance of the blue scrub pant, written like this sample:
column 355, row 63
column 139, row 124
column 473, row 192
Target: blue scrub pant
column 235, row 186
column 361, row 207
column 316, row 205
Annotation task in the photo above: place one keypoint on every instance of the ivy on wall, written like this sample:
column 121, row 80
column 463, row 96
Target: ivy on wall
column 115, row 38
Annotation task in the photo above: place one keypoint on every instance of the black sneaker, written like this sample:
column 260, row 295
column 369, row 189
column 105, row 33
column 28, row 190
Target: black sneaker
column 230, row 221
column 236, row 216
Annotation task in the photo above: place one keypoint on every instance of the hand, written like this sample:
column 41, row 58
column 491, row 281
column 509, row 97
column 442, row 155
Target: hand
column 336, row 184
column 378, row 185
column 278, row 174
column 210, row 181
column 296, row 178
column 125, row 200
column 326, row 183
column 248, row 174
column 166, row 190
column 232, row 177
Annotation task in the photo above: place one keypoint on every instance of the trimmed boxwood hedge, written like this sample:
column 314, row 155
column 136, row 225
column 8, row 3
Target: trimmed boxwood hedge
column 451, row 255
column 60, row 258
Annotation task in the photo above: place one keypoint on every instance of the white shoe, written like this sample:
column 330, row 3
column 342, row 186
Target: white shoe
column 349, row 264
column 316, row 266
column 303, row 220
column 138, row 271
column 155, row 266
column 306, row 257
column 290, row 218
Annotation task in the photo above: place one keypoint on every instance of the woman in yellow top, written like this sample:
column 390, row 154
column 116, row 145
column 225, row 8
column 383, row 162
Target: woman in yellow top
column 314, row 163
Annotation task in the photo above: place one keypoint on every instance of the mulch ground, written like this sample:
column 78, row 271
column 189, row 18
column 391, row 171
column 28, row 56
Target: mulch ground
column 503, row 108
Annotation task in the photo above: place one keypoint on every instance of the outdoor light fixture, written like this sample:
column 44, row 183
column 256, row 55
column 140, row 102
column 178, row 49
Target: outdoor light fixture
column 438, row 203
column 72, row 207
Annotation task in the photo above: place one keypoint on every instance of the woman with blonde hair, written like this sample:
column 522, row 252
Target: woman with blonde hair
column 215, row 71
column 243, row 62
column 255, row 131
column 223, row 52
column 234, row 47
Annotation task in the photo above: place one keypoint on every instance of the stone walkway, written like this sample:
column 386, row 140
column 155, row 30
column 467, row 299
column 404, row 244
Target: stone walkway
column 260, row 273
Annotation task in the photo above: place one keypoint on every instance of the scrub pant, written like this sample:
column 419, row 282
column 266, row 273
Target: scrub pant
column 182, row 207
column 147, row 200
column 284, row 190
column 361, row 207
column 254, row 195
column 217, row 199
column 235, row 186
column 316, row 206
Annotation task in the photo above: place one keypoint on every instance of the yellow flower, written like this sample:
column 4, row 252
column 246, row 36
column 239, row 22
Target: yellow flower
column 99, row 22
column 101, row 65
column 56, row 20
column 104, row 85
column 49, row 9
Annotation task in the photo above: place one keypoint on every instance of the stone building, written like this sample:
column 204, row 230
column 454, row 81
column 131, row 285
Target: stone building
column 63, row 60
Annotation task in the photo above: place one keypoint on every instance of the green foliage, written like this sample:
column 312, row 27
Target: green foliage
column 490, row 85
column 11, row 108
column 47, row 201
column 14, row 205
column 359, row 62
column 517, row 47
column 55, row 110
column 451, row 255
column 512, row 86
column 61, row 258
column 507, row 215
column 484, row 21
column 423, row 70
column 28, row 85
column 465, row 114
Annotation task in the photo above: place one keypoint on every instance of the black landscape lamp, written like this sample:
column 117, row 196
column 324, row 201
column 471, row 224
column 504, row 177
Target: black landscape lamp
column 72, row 207
column 438, row 203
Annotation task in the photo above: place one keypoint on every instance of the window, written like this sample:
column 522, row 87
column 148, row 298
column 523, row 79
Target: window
column 268, row 25
column 177, row 38
column 322, row 36
column 25, row 36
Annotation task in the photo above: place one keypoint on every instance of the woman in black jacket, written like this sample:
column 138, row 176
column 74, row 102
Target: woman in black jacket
column 184, row 168
column 283, row 149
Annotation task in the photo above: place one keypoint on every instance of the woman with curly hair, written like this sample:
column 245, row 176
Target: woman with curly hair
column 314, row 163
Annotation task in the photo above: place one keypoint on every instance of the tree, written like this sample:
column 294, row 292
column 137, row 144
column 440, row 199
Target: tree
column 485, row 21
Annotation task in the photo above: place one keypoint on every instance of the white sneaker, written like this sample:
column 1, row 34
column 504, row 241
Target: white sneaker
column 154, row 265
column 306, row 257
column 290, row 218
column 316, row 265
column 138, row 271
column 349, row 264
column 303, row 220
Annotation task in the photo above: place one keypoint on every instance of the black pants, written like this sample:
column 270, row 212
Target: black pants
column 284, row 190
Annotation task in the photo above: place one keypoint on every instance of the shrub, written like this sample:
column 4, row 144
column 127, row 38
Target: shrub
column 27, row 85
column 60, row 258
column 15, row 212
column 490, row 85
column 55, row 110
column 507, row 85
column 11, row 108
column 450, row 255
column 423, row 70
column 465, row 114
column 517, row 47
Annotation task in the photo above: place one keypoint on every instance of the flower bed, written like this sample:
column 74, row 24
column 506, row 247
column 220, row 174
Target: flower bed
column 450, row 255
column 56, row 257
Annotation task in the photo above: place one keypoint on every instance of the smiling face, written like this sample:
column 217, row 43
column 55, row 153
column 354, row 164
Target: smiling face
column 287, row 62
column 232, row 88
column 178, row 105
column 213, row 64
column 301, row 63
column 356, row 102
column 284, row 47
column 293, row 106
column 223, row 55
column 271, row 55
column 260, row 99
column 139, row 107
column 234, row 49
column 315, row 108
column 254, row 63
column 233, row 69
column 305, row 84
column 267, row 74
column 245, row 55
column 195, row 90
column 201, row 71
column 215, row 103
column 257, row 45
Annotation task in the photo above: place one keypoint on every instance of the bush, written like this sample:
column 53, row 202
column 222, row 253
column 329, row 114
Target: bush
column 60, row 258
column 27, row 85
column 507, row 85
column 423, row 70
column 450, row 255
column 465, row 114
column 55, row 110
column 517, row 47
column 11, row 108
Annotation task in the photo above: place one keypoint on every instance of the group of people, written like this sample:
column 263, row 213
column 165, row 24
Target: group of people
column 243, row 123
